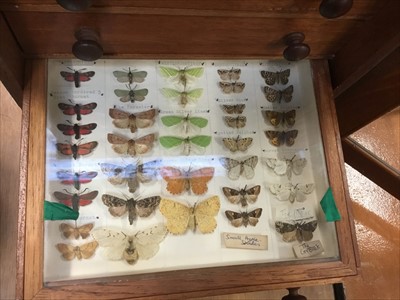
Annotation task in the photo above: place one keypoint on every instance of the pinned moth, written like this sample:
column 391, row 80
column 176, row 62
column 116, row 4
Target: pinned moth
column 118, row 245
column 141, row 207
column 131, row 174
column 75, row 200
column 75, row 178
column 182, row 76
column 235, row 122
column 300, row 231
column 77, row 76
column 276, row 118
column 74, row 232
column 187, row 122
column 69, row 252
column 181, row 217
column 233, row 109
column 179, row 181
column 131, row 147
column 133, row 121
column 77, row 129
column 236, row 168
column 183, row 97
column 273, row 95
column 231, row 74
column 286, row 166
column 130, row 76
column 238, row 219
column 77, row 109
column 281, row 77
column 237, row 144
column 243, row 196
column 231, row 87
column 76, row 149
column 196, row 143
column 291, row 192
column 279, row 138
column 131, row 94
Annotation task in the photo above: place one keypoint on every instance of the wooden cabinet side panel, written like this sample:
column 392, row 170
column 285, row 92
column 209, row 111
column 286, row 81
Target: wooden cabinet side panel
column 33, row 280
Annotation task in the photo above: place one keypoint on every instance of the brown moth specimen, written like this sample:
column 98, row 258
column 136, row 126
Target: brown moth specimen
column 238, row 122
column 237, row 144
column 244, row 218
column 275, row 118
column 85, row 251
column 131, row 147
column 233, row 109
column 243, row 196
column 181, row 217
column 74, row 232
column 271, row 78
column 279, row 138
column 231, row 87
column 133, row 121
column 300, row 231
column 179, row 181
column 232, row 74
column 119, row 207
column 278, row 95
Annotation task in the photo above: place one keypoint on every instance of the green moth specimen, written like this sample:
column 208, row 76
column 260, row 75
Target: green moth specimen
column 185, row 122
column 182, row 96
column 182, row 76
column 131, row 94
column 130, row 76
column 200, row 142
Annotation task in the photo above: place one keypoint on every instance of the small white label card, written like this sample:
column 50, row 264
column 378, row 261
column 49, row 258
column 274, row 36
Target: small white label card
column 245, row 241
column 308, row 249
column 295, row 212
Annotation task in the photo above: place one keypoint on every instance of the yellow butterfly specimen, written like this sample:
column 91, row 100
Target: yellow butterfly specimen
column 271, row 78
column 231, row 87
column 179, row 181
column 279, row 138
column 74, row 232
column 181, row 217
column 244, row 218
column 277, row 95
column 275, row 118
column 242, row 196
column 133, row 121
column 238, row 122
column 236, row 168
column 232, row 74
column 131, row 147
column 237, row 144
column 85, row 251
column 234, row 109
column 118, row 245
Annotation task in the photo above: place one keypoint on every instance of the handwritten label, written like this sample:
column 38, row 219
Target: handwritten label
column 245, row 241
column 308, row 249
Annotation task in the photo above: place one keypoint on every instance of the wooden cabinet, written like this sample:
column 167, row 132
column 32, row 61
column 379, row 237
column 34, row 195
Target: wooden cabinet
column 189, row 281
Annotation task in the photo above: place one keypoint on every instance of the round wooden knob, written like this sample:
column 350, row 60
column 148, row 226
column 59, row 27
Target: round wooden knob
column 87, row 46
column 293, row 295
column 75, row 5
column 331, row 9
column 296, row 49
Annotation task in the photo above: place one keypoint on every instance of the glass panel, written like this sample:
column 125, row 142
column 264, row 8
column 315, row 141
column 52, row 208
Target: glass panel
column 183, row 164
column 382, row 138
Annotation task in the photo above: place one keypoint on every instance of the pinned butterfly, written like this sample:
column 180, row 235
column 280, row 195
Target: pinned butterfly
column 74, row 232
column 130, row 76
column 75, row 178
column 77, row 109
column 196, row 144
column 76, row 149
column 134, row 207
column 284, row 118
column 235, row 168
column 77, row 76
column 287, row 166
column 280, row 77
column 126, row 120
column 75, row 200
column 232, row 74
column 131, row 94
column 132, row 147
column 279, row 138
column 301, row 231
column 76, row 129
column 69, row 252
column 238, row 219
column 237, row 144
column 181, row 217
column 183, row 97
column 119, row 245
column 187, row 123
column 243, row 196
column 181, row 76
column 273, row 95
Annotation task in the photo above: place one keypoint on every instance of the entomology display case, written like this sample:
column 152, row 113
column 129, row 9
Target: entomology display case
column 161, row 175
